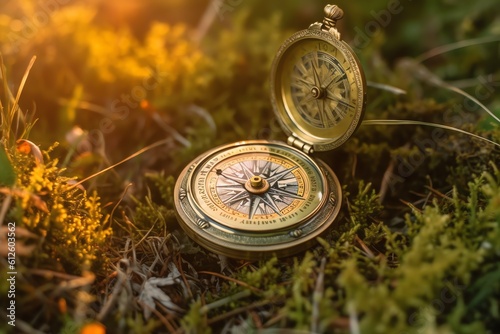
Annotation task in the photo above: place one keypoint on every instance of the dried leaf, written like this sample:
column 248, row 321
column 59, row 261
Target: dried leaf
column 27, row 147
column 151, row 291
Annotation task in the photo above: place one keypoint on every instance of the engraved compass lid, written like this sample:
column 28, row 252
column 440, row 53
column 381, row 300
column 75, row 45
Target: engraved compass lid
column 318, row 87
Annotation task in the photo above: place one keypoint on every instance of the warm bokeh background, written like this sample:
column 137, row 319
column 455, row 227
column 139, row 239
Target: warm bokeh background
column 130, row 69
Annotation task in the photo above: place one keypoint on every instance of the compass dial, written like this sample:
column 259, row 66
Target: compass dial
column 255, row 198
column 318, row 89
column 259, row 188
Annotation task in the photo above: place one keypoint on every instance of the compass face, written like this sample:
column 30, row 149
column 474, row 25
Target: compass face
column 290, row 188
column 256, row 198
column 318, row 89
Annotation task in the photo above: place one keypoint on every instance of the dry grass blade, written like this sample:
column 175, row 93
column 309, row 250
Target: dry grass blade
column 318, row 295
column 225, row 301
column 411, row 206
column 207, row 20
column 386, row 179
column 141, row 151
column 435, row 125
column 8, row 115
column 243, row 284
column 423, row 73
column 246, row 308
column 470, row 97
column 454, row 46
column 20, row 90
column 388, row 88
column 170, row 130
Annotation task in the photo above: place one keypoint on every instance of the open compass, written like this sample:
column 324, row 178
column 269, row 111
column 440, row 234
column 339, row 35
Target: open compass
column 255, row 198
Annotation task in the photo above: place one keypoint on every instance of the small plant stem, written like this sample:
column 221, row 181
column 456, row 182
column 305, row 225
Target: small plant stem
column 221, row 302
column 243, row 284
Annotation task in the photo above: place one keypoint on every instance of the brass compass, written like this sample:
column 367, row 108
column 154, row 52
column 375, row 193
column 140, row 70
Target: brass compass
column 255, row 198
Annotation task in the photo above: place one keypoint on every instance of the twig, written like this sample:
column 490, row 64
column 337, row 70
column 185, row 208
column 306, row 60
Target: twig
column 119, row 201
column 87, row 279
column 141, row 151
column 122, row 278
column 438, row 193
column 19, row 91
column 49, row 274
column 160, row 316
column 413, row 207
column 354, row 165
column 221, row 302
column 317, row 296
column 385, row 181
column 367, row 250
column 181, row 271
column 274, row 320
column 238, row 310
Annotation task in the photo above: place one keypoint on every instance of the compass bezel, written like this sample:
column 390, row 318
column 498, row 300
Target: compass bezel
column 288, row 115
column 236, row 243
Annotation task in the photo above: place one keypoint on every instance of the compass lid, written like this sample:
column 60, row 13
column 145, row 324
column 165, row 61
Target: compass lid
column 317, row 89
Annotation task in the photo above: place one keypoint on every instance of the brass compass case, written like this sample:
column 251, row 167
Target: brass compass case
column 255, row 198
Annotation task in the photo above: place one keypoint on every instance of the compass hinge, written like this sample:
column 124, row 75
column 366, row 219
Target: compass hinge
column 297, row 143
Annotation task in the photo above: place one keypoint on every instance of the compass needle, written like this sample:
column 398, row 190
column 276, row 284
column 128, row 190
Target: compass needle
column 315, row 65
column 254, row 205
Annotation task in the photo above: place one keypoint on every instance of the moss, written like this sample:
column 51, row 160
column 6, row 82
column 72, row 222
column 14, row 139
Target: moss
column 69, row 222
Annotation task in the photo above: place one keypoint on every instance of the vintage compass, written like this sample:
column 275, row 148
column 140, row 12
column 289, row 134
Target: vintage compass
column 255, row 198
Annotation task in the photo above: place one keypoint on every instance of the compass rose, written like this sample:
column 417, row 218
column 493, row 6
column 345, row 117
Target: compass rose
column 256, row 187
